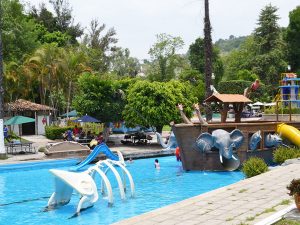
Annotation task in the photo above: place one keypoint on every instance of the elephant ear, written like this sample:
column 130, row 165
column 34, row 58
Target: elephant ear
column 237, row 138
column 205, row 142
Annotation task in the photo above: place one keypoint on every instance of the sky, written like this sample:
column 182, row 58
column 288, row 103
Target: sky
column 137, row 22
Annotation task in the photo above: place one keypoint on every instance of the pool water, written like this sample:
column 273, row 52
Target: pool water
column 25, row 192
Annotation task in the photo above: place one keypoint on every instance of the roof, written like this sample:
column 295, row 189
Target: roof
column 24, row 105
column 228, row 98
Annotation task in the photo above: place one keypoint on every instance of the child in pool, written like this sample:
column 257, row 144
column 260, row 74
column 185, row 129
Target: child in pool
column 156, row 164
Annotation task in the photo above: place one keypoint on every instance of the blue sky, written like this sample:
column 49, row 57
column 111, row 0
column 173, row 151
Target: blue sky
column 138, row 21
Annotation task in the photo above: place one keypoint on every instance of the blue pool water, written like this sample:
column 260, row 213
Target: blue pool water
column 25, row 192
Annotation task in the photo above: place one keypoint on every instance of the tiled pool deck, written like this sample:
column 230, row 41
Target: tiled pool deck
column 246, row 202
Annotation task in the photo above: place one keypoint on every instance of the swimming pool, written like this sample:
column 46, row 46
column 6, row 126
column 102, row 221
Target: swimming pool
column 25, row 193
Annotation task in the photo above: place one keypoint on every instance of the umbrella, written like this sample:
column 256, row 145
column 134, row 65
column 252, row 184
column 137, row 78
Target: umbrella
column 86, row 119
column 258, row 104
column 73, row 113
column 19, row 120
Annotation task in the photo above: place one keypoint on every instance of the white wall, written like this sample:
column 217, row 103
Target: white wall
column 40, row 125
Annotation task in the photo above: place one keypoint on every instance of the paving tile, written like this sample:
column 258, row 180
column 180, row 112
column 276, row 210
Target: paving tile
column 244, row 201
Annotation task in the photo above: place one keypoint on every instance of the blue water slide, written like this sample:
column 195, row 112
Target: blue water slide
column 101, row 148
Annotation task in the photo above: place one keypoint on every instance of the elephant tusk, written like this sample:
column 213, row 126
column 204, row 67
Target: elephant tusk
column 221, row 159
column 234, row 157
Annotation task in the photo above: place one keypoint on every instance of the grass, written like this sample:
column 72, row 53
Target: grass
column 287, row 222
column 242, row 190
column 285, row 202
column 250, row 218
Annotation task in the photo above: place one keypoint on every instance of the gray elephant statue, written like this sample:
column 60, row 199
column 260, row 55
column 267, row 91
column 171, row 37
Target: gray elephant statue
column 254, row 140
column 171, row 144
column 272, row 140
column 222, row 140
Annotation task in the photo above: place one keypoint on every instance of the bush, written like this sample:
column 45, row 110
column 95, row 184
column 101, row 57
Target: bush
column 254, row 166
column 282, row 153
column 55, row 132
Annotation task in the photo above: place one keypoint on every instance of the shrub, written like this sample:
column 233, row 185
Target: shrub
column 254, row 166
column 294, row 187
column 284, row 110
column 55, row 132
column 42, row 149
column 282, row 153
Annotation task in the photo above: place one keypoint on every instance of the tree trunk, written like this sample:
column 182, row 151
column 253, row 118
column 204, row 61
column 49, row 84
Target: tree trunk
column 2, row 147
column 208, row 58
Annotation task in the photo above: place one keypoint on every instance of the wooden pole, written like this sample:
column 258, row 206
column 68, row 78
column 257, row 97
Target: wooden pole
column 208, row 58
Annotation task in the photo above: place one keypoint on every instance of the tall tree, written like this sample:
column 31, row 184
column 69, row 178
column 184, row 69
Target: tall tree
column 270, row 59
column 59, row 25
column 197, row 59
column 65, row 21
column 208, row 57
column 19, row 34
column 164, row 57
column 268, row 31
column 100, row 46
column 292, row 38
column 123, row 64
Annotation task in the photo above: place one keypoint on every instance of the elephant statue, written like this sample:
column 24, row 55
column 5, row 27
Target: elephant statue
column 171, row 144
column 272, row 140
column 254, row 140
column 222, row 140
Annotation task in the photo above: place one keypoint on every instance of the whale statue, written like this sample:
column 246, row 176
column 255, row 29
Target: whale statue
column 171, row 144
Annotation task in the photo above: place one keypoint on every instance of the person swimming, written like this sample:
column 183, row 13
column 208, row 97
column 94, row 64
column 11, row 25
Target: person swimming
column 156, row 164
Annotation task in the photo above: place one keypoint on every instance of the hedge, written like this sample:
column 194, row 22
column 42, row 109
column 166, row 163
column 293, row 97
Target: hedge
column 282, row 153
column 55, row 132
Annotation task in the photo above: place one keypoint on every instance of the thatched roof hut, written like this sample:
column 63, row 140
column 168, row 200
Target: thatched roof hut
column 21, row 105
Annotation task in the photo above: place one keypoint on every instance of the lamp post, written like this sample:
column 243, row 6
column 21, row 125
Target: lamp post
column 289, row 68
column 2, row 147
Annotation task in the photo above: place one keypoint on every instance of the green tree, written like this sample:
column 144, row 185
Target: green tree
column 60, row 26
column 19, row 34
column 100, row 46
column 197, row 59
column 123, row 64
column 153, row 104
column 196, row 80
column 292, row 38
column 101, row 98
column 164, row 59
column 270, row 58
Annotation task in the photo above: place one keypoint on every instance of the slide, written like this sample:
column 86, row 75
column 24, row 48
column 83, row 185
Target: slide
column 101, row 148
column 289, row 132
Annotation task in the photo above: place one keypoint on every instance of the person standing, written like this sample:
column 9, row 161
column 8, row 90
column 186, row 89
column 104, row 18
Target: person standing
column 177, row 154
column 5, row 133
column 156, row 164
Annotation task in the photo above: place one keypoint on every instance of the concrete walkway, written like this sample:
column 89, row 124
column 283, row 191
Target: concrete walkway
column 246, row 202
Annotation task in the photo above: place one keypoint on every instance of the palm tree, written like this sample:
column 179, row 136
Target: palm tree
column 45, row 63
column 72, row 65
column 208, row 57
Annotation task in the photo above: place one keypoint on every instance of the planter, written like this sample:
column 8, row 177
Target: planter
column 297, row 201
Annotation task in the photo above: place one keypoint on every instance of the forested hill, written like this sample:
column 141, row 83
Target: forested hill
column 227, row 45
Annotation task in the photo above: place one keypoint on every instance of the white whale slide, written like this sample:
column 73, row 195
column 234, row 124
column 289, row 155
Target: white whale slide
column 84, row 184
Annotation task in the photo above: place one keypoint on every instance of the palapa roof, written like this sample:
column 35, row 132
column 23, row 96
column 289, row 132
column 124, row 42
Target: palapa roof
column 24, row 105
column 228, row 98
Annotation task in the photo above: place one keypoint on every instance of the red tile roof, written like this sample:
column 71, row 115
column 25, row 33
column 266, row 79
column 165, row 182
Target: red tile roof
column 228, row 98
